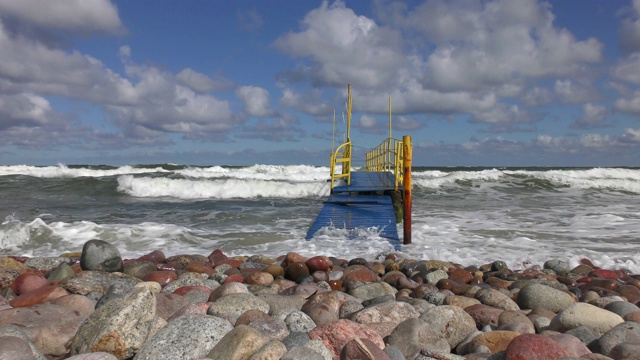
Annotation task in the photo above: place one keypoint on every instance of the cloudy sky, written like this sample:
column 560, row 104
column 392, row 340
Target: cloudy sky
column 475, row 83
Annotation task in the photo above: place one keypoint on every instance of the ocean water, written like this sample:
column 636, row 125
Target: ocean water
column 522, row 216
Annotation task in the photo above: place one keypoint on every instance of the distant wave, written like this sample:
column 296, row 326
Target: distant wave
column 615, row 179
column 218, row 188
column 62, row 171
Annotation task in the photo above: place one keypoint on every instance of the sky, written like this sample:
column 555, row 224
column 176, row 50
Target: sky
column 474, row 83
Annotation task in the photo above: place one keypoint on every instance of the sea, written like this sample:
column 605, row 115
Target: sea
column 467, row 215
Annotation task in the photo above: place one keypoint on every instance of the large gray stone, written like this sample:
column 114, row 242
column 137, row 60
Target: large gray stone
column 297, row 321
column 390, row 311
column 628, row 331
column 414, row 334
column 583, row 314
column 372, row 290
column 534, row 296
column 102, row 256
column 118, row 327
column 238, row 344
column 236, row 304
column 190, row 336
column 50, row 327
column 85, row 282
column 16, row 345
column 449, row 322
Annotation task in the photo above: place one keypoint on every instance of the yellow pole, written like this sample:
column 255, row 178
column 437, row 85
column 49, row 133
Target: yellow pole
column 390, row 118
column 349, row 104
column 407, row 149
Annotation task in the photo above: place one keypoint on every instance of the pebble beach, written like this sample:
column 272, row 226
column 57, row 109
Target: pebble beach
column 96, row 305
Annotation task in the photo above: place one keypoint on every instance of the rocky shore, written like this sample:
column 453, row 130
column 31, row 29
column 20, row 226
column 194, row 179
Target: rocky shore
column 94, row 305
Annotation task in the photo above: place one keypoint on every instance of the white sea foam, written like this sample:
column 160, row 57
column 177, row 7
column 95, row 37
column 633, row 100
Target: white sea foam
column 260, row 172
column 218, row 188
column 62, row 171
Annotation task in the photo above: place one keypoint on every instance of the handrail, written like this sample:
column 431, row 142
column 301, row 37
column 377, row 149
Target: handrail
column 388, row 156
column 342, row 155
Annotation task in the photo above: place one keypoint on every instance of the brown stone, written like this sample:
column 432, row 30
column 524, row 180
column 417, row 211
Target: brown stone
column 162, row 277
column 534, row 347
column 274, row 270
column 41, row 295
column 497, row 283
column 629, row 292
column 460, row 276
column 251, row 315
column 337, row 334
column 291, row 258
column 27, row 282
column 199, row 267
column 495, row 341
column 362, row 349
column 259, row 278
column 460, row 301
column 484, row 315
column 234, row 278
column 296, row 271
column 359, row 273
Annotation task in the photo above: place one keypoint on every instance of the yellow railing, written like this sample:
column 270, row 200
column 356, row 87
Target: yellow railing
column 388, row 156
column 342, row 156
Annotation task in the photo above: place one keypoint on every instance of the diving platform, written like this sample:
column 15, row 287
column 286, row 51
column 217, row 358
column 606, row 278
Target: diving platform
column 369, row 198
column 347, row 208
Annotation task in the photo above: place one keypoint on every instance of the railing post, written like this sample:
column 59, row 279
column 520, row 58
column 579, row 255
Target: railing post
column 407, row 148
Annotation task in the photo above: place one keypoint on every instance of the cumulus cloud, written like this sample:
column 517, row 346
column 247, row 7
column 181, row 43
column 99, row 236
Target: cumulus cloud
column 256, row 101
column 199, row 82
column 593, row 116
column 630, row 30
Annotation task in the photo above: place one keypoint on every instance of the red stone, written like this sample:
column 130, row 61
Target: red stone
column 27, row 282
column 484, row 315
column 584, row 280
column 534, row 347
column 185, row 289
column 337, row 334
column 291, row 258
column 231, row 262
column 460, row 276
column 162, row 277
column 20, row 259
column 200, row 268
column 234, row 278
column 167, row 267
column 41, row 295
column 217, row 255
column 318, row 263
column 606, row 274
column 359, row 273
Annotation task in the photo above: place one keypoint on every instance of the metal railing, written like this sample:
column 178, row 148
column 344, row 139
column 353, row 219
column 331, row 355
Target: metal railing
column 388, row 156
column 342, row 156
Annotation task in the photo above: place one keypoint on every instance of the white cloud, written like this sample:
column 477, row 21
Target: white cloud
column 631, row 136
column 256, row 101
column 630, row 104
column 200, row 82
column 24, row 110
column 406, row 123
column 345, row 48
column 310, row 103
column 572, row 92
column 368, row 122
column 630, row 31
column 628, row 69
column 592, row 115
column 73, row 15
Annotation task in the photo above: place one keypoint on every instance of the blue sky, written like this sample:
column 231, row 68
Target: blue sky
column 475, row 83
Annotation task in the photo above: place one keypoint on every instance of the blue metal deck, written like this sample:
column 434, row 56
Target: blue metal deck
column 345, row 209
column 367, row 181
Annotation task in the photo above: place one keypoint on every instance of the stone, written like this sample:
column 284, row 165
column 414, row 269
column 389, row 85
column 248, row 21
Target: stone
column 15, row 344
column 187, row 337
column 115, row 291
column 259, row 278
column 251, row 315
column 560, row 267
column 583, row 314
column 534, row 347
column 228, row 289
column 319, row 263
column 625, row 351
column 460, row 301
column 234, row 305
column 271, row 329
column 76, row 302
column 372, row 290
column 390, row 311
column 496, row 299
column 302, row 353
column 585, row 334
column 510, row 316
column 41, row 295
column 295, row 339
column 535, row 296
column 119, row 327
column 59, row 273
column 239, row 344
column 94, row 356
column 450, row 323
column 622, row 308
column 321, row 312
column 495, row 341
column 139, row 269
column 273, row 350
column 413, row 335
column 50, row 327
column 362, row 349
column 484, row 315
column 280, row 304
column 85, row 282
column 186, row 279
column 169, row 304
column 336, row 334
column 26, row 282
column 274, row 270
column 298, row 321
column 574, row 346
column 625, row 332
column 296, row 271
column 102, row 256
column 359, row 273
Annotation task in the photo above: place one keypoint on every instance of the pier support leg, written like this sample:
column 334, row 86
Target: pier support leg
column 406, row 183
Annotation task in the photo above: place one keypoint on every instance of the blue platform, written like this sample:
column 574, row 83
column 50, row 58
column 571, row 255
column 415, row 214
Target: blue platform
column 347, row 208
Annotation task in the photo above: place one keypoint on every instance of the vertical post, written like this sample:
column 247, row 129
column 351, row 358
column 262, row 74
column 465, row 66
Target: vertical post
column 407, row 148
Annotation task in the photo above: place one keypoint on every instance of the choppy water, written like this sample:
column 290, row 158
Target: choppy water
column 466, row 215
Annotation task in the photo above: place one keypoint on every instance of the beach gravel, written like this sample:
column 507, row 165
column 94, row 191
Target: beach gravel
column 193, row 306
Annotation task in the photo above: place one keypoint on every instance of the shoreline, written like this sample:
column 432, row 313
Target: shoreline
column 295, row 307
